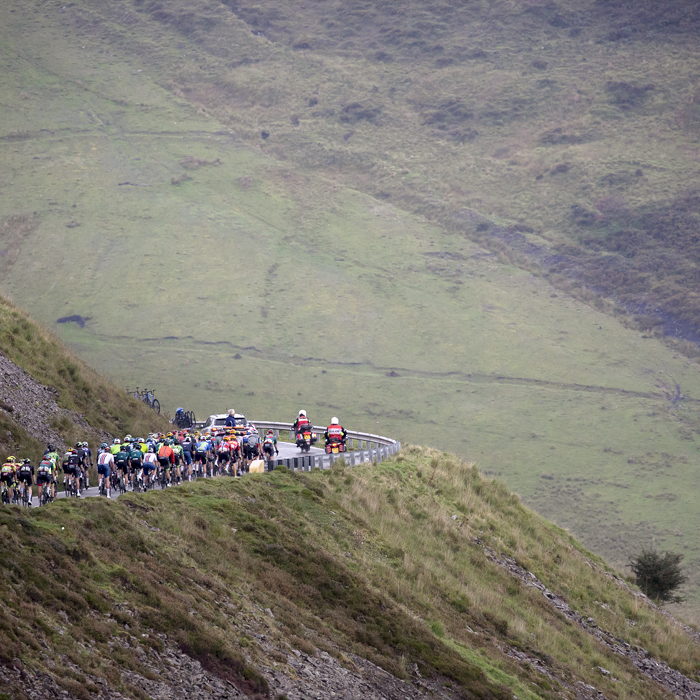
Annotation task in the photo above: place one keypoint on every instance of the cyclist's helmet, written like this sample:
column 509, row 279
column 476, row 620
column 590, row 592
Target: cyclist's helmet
column 270, row 432
column 104, row 446
column 334, row 420
column 85, row 444
column 116, row 441
column 78, row 445
column 74, row 451
column 302, row 413
column 140, row 440
column 11, row 459
column 151, row 448
column 26, row 460
column 50, row 447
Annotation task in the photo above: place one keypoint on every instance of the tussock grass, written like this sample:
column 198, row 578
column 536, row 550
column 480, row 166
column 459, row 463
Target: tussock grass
column 375, row 565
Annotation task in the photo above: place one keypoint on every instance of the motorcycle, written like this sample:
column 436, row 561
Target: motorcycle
column 305, row 439
column 334, row 447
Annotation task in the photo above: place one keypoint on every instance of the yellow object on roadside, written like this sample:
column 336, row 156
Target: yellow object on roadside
column 257, row 466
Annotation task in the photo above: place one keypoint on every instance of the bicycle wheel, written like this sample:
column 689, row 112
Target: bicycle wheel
column 155, row 405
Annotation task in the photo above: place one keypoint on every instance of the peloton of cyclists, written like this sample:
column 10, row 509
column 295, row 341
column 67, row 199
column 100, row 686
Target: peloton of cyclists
column 166, row 458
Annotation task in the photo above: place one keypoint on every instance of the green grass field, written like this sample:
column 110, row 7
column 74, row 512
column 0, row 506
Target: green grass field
column 272, row 279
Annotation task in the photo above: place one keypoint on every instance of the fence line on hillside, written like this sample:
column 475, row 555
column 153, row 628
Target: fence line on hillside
column 367, row 448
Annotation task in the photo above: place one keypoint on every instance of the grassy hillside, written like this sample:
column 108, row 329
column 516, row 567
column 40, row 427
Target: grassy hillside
column 387, row 562
column 310, row 268
column 92, row 406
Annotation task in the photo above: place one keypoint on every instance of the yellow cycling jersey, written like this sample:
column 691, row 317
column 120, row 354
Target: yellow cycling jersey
column 115, row 448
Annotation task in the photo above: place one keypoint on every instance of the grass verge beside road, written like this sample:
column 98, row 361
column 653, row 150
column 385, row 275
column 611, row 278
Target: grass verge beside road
column 377, row 560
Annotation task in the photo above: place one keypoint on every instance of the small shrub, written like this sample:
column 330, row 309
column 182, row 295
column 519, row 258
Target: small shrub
column 438, row 629
column 659, row 575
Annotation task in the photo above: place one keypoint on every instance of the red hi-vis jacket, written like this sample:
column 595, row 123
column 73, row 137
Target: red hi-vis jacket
column 302, row 424
column 166, row 451
column 335, row 432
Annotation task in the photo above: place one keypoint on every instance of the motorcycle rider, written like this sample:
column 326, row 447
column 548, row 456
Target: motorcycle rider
column 301, row 422
column 335, row 432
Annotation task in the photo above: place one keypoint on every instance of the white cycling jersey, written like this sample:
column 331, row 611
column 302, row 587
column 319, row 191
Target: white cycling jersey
column 106, row 459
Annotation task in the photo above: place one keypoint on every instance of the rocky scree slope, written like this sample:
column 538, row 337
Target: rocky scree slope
column 412, row 578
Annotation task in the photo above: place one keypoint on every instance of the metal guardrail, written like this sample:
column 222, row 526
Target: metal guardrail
column 367, row 448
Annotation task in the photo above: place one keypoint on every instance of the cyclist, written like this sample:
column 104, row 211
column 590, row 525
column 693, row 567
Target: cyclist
column 45, row 477
column 82, row 458
column 88, row 454
column 187, row 446
column 150, row 463
column 253, row 447
column 71, row 468
column 56, row 460
column 166, row 459
column 202, row 454
column 270, row 445
column 26, row 479
column 179, row 458
column 121, row 460
column 135, row 459
column 235, row 450
column 116, row 446
column 105, row 464
column 7, row 476
column 223, row 454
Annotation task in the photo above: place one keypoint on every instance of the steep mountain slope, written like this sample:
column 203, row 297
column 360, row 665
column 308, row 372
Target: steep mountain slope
column 292, row 271
column 299, row 585
column 49, row 395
